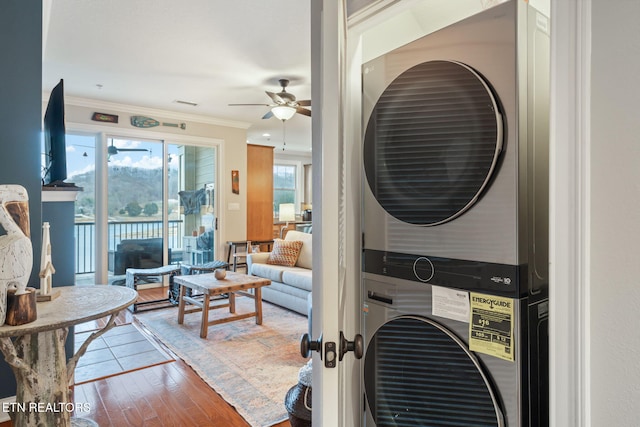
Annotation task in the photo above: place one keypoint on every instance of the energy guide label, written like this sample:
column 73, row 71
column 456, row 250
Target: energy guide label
column 491, row 325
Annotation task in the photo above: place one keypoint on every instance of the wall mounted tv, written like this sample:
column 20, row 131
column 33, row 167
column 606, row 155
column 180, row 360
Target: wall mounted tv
column 55, row 168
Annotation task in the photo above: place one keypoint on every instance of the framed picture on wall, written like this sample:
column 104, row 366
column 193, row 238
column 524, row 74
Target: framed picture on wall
column 235, row 182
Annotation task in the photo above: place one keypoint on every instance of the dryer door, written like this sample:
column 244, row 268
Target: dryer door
column 417, row 373
column 432, row 142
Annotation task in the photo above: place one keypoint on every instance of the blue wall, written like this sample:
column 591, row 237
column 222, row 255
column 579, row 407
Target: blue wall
column 60, row 216
column 20, row 120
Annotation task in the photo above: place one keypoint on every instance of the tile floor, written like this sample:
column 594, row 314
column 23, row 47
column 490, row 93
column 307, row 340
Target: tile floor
column 121, row 349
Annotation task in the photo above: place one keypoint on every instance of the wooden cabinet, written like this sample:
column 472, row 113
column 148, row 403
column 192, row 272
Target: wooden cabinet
column 259, row 192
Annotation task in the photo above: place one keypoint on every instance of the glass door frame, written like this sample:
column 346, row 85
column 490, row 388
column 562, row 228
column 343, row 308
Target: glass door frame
column 102, row 135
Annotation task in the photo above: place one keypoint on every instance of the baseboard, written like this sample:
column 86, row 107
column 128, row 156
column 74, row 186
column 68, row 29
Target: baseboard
column 4, row 416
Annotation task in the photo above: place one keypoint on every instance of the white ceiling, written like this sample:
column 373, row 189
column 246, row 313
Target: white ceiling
column 150, row 53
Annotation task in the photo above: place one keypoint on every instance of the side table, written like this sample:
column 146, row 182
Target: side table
column 243, row 245
column 35, row 351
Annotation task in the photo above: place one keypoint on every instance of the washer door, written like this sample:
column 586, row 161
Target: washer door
column 417, row 373
column 432, row 142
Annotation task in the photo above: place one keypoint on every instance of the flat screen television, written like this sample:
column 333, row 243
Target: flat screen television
column 55, row 170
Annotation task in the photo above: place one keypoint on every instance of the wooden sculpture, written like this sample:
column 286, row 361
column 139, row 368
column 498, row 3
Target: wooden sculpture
column 46, row 267
column 16, row 257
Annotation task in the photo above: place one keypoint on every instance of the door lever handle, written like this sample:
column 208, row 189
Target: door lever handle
column 357, row 346
column 307, row 345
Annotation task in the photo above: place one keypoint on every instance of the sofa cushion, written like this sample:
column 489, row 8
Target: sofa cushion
column 298, row 278
column 267, row 271
column 305, row 259
column 285, row 252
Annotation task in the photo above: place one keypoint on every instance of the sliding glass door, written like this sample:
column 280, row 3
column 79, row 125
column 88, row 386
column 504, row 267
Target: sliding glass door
column 135, row 206
column 192, row 197
column 145, row 204
column 81, row 170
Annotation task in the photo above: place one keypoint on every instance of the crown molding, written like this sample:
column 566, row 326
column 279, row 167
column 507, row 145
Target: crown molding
column 133, row 109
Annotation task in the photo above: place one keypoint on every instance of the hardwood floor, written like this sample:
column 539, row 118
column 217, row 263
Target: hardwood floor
column 169, row 394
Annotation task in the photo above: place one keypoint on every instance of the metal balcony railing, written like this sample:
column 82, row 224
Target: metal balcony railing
column 85, row 232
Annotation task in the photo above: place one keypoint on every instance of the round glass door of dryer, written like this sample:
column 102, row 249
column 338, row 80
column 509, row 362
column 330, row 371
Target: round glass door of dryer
column 417, row 373
column 432, row 142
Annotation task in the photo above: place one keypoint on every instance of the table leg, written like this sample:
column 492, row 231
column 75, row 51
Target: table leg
column 258, row 301
column 181, row 304
column 205, row 316
column 232, row 302
column 39, row 364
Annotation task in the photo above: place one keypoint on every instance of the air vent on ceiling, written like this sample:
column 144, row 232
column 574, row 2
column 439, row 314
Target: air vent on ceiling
column 193, row 104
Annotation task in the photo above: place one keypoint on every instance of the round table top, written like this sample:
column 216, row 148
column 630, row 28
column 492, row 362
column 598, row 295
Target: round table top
column 76, row 304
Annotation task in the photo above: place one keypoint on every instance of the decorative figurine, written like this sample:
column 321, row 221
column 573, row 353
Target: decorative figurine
column 16, row 257
column 46, row 267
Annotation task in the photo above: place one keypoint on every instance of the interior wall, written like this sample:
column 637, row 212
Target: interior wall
column 615, row 213
column 20, row 121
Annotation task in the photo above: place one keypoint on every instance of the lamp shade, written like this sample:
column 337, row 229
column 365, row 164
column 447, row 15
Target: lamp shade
column 287, row 212
column 283, row 112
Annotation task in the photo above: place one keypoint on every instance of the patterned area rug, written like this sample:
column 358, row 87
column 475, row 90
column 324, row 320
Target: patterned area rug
column 251, row 366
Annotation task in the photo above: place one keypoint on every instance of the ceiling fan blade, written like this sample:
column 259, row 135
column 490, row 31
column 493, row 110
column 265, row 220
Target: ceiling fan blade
column 268, row 115
column 262, row 105
column 304, row 103
column 303, row 111
column 132, row 149
column 276, row 98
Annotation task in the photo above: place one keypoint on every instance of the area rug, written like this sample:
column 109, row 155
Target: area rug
column 251, row 366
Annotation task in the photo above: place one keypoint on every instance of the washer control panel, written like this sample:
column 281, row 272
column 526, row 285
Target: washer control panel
column 498, row 279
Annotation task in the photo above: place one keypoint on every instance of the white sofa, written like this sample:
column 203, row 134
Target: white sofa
column 290, row 286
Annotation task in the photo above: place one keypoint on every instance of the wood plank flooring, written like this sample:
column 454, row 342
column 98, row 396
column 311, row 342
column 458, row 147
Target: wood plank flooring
column 166, row 395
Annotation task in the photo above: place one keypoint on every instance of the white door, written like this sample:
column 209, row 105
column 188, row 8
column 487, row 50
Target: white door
column 336, row 383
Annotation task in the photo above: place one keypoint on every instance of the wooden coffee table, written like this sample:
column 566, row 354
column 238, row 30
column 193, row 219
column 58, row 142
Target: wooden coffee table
column 233, row 284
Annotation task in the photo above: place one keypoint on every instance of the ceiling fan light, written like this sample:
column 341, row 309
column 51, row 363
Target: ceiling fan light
column 283, row 112
column 112, row 150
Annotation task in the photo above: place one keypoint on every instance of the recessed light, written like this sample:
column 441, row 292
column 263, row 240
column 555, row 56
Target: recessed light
column 266, row 135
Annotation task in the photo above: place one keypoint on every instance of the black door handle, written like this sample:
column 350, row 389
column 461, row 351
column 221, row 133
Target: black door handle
column 307, row 345
column 357, row 346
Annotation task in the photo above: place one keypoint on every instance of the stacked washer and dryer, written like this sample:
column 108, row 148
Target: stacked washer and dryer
column 455, row 218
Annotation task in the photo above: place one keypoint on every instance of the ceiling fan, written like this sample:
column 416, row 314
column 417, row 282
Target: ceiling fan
column 284, row 104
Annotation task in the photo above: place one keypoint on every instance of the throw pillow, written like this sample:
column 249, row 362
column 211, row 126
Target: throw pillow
column 285, row 252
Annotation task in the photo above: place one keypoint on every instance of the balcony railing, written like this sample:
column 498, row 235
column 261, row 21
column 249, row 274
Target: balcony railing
column 117, row 231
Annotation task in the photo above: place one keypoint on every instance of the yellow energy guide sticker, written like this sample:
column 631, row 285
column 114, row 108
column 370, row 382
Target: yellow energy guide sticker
column 491, row 326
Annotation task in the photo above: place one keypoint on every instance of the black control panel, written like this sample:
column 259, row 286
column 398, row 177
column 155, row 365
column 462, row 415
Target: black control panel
column 497, row 279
